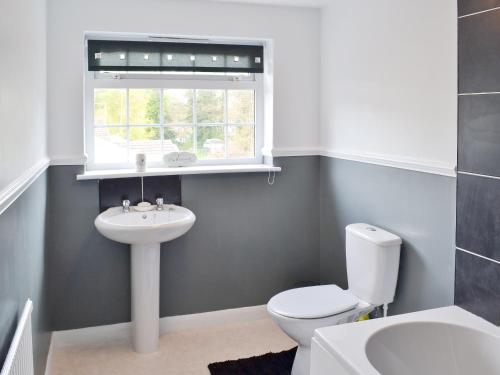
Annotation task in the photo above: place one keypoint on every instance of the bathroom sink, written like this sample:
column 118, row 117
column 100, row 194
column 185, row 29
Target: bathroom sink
column 137, row 227
column 145, row 231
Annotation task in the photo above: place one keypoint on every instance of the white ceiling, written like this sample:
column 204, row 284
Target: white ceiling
column 298, row 3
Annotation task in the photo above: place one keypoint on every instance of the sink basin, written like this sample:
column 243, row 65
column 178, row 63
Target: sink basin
column 137, row 227
column 145, row 231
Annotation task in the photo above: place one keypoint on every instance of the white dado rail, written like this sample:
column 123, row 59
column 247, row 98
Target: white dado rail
column 419, row 165
column 10, row 193
column 401, row 162
column 395, row 161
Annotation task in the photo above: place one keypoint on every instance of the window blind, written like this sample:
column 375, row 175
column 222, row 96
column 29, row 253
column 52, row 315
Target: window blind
column 114, row 55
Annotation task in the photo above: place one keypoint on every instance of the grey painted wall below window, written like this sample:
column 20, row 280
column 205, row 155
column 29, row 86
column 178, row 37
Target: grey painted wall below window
column 419, row 207
column 22, row 270
column 250, row 241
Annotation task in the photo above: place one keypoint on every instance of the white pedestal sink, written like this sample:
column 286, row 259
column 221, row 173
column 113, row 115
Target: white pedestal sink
column 145, row 231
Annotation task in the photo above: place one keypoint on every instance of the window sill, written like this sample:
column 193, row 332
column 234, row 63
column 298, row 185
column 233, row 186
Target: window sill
column 203, row 169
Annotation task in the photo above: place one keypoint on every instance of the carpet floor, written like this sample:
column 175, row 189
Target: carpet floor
column 267, row 364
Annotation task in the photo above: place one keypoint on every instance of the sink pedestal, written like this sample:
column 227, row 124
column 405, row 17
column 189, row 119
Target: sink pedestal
column 145, row 259
column 145, row 231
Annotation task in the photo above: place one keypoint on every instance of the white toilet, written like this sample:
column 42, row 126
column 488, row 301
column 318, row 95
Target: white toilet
column 372, row 256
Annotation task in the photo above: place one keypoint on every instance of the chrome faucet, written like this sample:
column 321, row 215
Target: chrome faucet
column 126, row 205
column 159, row 204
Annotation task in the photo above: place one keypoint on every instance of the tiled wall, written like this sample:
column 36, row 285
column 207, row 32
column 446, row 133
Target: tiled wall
column 477, row 280
column 113, row 191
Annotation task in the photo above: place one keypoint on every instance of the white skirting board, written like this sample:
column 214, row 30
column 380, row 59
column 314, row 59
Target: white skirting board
column 49, row 356
column 122, row 331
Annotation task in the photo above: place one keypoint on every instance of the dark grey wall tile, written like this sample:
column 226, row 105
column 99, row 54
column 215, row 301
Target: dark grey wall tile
column 419, row 207
column 477, row 286
column 113, row 191
column 473, row 6
column 479, row 134
column 250, row 241
column 478, row 215
column 166, row 187
column 23, row 273
column 479, row 53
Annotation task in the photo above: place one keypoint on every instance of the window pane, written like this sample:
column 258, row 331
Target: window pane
column 241, row 107
column 210, row 142
column 177, row 138
column 178, row 106
column 110, row 145
column 210, row 106
column 144, row 106
column 241, row 141
column 145, row 140
column 110, row 107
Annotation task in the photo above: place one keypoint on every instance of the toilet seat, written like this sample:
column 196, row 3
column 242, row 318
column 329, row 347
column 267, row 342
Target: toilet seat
column 313, row 302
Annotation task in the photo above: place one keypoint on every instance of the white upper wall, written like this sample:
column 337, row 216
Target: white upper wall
column 22, row 87
column 389, row 80
column 295, row 32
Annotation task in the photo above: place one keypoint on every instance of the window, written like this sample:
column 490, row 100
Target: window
column 216, row 115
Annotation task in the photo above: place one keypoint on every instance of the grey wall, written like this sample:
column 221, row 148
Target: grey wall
column 477, row 284
column 22, row 269
column 250, row 241
column 419, row 207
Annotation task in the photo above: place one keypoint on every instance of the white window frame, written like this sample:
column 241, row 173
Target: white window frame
column 96, row 80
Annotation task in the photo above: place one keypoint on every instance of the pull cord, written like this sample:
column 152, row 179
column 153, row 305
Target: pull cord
column 270, row 180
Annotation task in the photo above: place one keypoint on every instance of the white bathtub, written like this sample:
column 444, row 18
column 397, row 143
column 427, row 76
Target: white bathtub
column 442, row 341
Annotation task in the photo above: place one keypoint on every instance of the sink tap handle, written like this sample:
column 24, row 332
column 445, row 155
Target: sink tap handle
column 159, row 204
column 126, row 205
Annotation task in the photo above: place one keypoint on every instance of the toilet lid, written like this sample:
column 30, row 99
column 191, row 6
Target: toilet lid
column 312, row 302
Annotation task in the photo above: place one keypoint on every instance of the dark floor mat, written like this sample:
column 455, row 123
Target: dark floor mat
column 267, row 364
